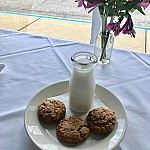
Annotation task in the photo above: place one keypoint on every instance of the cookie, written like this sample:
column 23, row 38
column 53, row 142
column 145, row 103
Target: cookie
column 51, row 111
column 101, row 120
column 72, row 130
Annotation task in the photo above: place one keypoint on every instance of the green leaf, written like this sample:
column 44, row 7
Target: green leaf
column 128, row 5
column 118, row 2
column 137, row 7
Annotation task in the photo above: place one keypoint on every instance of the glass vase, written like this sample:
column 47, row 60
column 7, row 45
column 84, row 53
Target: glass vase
column 104, row 46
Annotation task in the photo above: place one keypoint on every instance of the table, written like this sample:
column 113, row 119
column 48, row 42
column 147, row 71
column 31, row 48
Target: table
column 33, row 62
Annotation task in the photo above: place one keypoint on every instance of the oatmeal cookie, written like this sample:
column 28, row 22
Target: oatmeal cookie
column 101, row 120
column 72, row 130
column 51, row 111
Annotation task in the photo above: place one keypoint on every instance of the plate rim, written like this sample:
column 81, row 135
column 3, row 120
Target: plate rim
column 28, row 104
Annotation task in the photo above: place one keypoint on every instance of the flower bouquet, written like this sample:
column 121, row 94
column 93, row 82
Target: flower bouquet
column 119, row 12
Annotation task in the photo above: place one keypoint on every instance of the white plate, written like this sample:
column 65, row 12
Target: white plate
column 44, row 136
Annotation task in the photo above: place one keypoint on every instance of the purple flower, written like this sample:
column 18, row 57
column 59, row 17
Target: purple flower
column 89, row 3
column 111, row 26
column 128, row 28
column 144, row 4
column 118, row 8
column 81, row 3
column 115, row 27
column 93, row 4
column 129, row 32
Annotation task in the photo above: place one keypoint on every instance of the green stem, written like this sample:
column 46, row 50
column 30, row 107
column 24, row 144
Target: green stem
column 104, row 44
column 105, row 36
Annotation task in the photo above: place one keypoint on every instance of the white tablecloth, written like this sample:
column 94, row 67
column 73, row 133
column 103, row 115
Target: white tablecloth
column 33, row 62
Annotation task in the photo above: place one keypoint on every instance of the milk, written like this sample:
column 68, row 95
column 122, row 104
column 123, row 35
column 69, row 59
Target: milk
column 82, row 89
column 82, row 82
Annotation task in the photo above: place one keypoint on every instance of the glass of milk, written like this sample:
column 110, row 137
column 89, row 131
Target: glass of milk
column 82, row 82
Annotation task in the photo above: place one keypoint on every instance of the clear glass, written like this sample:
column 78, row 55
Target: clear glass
column 103, row 47
column 82, row 82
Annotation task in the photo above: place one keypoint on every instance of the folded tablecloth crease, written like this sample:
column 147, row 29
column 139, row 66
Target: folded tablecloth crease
column 1, row 67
